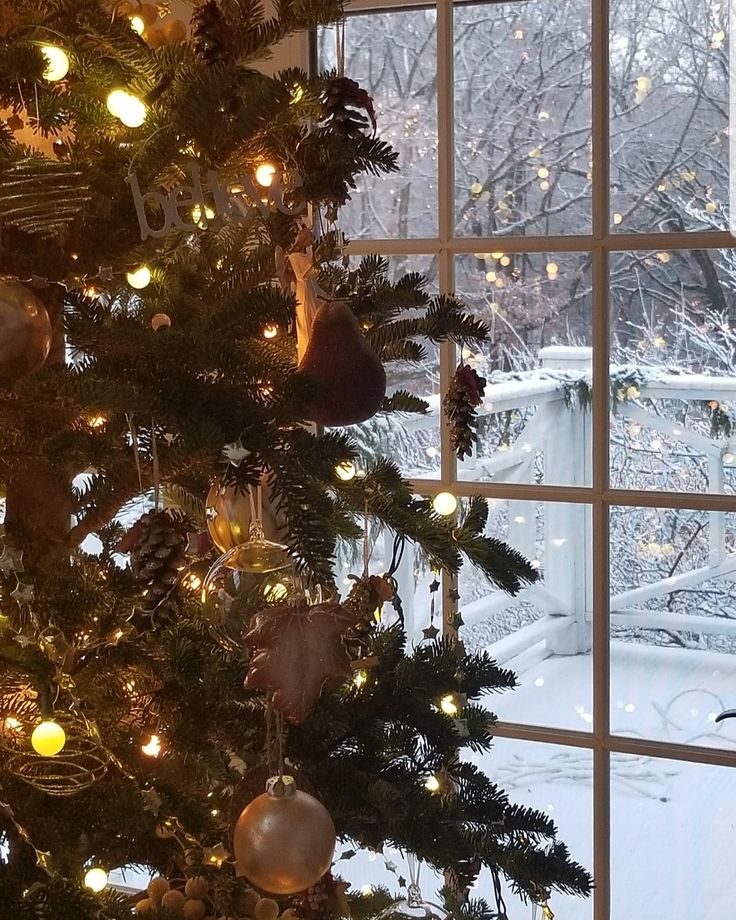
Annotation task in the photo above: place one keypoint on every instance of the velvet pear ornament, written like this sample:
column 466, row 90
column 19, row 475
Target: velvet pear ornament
column 350, row 375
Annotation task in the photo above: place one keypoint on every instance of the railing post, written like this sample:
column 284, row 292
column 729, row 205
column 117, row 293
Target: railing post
column 567, row 530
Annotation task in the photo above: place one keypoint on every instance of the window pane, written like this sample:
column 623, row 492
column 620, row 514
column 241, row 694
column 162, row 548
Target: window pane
column 673, row 625
column 669, row 115
column 522, row 118
column 394, row 57
column 535, row 422
column 558, row 781
column 673, row 373
column 544, row 633
column 411, row 440
column 672, row 836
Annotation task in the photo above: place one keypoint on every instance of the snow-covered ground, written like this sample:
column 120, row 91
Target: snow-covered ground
column 673, row 824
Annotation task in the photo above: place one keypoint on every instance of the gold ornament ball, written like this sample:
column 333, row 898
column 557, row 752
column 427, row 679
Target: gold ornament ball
column 148, row 13
column 284, row 843
column 194, row 909
column 48, row 738
column 173, row 900
column 197, row 887
column 25, row 332
column 266, row 909
column 157, row 888
column 154, row 38
column 174, row 30
column 144, row 905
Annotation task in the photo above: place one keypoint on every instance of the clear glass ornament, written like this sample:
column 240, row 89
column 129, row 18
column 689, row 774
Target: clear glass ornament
column 257, row 556
column 414, row 906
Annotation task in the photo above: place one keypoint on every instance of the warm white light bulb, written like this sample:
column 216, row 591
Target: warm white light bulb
column 139, row 278
column 345, row 471
column 137, row 24
column 153, row 748
column 448, row 704
column 265, row 174
column 432, row 784
column 128, row 108
column 48, row 738
column 444, row 503
column 96, row 880
column 57, row 63
column 270, row 332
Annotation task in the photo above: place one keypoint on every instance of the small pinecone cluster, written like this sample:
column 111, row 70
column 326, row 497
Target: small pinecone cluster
column 464, row 395
column 348, row 109
column 157, row 544
column 211, row 35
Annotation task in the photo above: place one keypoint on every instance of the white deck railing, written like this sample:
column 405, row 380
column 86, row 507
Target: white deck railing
column 554, row 423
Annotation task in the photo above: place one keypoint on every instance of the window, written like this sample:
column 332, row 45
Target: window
column 565, row 172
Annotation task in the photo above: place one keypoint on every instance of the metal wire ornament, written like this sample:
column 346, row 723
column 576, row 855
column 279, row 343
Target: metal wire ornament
column 79, row 765
column 413, row 906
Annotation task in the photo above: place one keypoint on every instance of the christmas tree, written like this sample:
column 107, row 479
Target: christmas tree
column 182, row 354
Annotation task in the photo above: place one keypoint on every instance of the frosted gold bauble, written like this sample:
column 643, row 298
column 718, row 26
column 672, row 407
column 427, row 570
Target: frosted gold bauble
column 143, row 906
column 197, row 887
column 284, row 843
column 266, row 909
column 173, row 900
column 25, row 332
column 157, row 888
column 194, row 910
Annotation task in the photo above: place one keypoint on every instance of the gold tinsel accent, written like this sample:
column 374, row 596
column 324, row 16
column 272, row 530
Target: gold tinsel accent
column 79, row 765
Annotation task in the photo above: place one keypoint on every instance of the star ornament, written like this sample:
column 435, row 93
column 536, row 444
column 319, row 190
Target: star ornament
column 23, row 593
column 297, row 650
column 215, row 856
column 11, row 560
column 431, row 632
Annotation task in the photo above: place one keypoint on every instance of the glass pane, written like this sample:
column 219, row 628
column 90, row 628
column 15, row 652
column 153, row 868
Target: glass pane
column 669, row 115
column 673, row 625
column 558, row 781
column 534, row 424
column 411, row 440
column 522, row 118
column 394, row 57
column 543, row 634
column 673, row 373
column 672, row 836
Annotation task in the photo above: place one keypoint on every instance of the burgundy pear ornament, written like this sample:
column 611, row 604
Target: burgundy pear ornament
column 350, row 375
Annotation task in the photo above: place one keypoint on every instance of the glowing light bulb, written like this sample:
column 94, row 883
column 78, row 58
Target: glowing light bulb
column 128, row 108
column 48, row 738
column 552, row 268
column 137, row 24
column 345, row 470
column 497, row 255
column 57, row 63
column 153, row 747
column 97, row 421
column 444, row 503
column 12, row 724
column 448, row 704
column 359, row 679
column 543, row 172
column 265, row 173
column 270, row 332
column 209, row 214
column 96, row 880
column 432, row 784
column 366, row 891
column 139, row 278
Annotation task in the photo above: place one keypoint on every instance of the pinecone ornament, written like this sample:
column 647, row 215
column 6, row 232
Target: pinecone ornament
column 348, row 109
column 211, row 35
column 325, row 900
column 464, row 395
column 157, row 544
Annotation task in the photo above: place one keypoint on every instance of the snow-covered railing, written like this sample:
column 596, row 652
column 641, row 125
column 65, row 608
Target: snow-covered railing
column 556, row 437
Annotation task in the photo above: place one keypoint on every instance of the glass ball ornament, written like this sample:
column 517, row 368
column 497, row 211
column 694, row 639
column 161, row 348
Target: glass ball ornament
column 413, row 907
column 284, row 839
column 25, row 332
column 48, row 738
column 229, row 512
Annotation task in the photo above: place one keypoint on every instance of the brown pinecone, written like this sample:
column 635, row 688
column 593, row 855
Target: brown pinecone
column 348, row 109
column 464, row 395
column 211, row 34
column 157, row 544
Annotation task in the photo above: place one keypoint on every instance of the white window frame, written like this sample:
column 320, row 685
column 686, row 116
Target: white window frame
column 602, row 243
